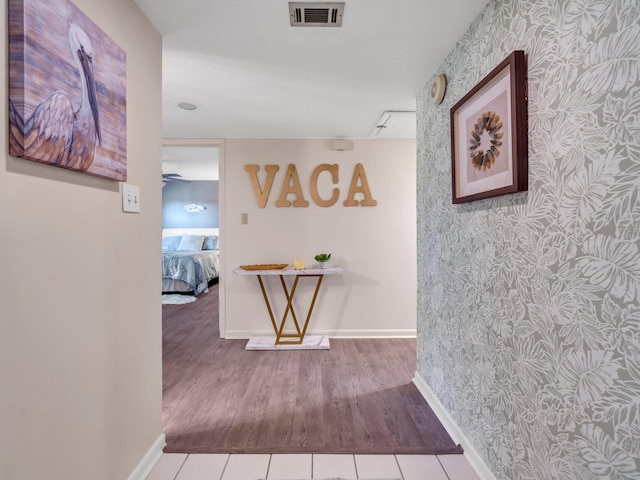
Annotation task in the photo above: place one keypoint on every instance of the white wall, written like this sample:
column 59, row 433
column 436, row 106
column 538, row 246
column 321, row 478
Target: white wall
column 375, row 245
column 80, row 313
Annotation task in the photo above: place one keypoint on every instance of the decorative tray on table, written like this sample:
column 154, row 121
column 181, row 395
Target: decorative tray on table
column 264, row 266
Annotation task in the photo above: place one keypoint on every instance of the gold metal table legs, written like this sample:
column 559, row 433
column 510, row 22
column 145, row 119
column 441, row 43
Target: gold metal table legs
column 291, row 338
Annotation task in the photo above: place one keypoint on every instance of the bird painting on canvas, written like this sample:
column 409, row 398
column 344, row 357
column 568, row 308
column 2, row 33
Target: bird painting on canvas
column 67, row 100
column 58, row 132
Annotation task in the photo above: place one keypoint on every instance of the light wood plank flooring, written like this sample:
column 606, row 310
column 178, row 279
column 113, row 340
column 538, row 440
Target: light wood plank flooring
column 356, row 398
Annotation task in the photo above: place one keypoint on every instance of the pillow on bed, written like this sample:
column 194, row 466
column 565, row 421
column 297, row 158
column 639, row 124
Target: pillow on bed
column 191, row 243
column 210, row 242
column 170, row 244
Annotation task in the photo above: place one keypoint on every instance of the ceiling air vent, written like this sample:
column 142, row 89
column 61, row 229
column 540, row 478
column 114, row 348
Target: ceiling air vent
column 316, row 14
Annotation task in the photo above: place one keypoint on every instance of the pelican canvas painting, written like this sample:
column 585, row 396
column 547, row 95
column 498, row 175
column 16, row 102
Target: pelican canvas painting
column 67, row 90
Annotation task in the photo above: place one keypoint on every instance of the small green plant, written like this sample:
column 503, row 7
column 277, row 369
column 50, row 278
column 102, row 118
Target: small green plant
column 323, row 257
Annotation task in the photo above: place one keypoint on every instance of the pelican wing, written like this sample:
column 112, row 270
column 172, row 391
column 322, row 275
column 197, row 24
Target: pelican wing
column 48, row 133
column 16, row 131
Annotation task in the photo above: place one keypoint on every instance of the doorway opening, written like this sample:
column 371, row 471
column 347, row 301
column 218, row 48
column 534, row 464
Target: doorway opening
column 192, row 196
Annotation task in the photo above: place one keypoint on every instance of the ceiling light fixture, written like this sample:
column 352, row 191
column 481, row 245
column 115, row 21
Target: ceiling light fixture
column 193, row 208
column 187, row 106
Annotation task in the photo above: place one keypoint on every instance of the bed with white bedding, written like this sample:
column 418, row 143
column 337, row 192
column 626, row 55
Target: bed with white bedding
column 190, row 260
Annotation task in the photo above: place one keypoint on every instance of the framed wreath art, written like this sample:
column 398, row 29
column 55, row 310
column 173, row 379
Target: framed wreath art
column 489, row 147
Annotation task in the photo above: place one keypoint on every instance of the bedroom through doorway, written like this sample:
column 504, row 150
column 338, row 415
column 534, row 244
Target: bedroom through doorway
column 191, row 220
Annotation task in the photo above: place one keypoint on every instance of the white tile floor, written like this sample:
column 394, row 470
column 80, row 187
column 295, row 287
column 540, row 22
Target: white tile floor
column 179, row 466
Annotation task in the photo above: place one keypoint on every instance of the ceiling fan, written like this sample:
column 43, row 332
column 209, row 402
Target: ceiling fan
column 173, row 177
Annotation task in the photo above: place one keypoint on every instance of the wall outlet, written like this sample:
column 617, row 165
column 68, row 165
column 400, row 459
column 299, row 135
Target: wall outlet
column 130, row 198
column 244, row 218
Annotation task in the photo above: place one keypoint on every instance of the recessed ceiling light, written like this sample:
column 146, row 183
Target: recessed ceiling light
column 187, row 106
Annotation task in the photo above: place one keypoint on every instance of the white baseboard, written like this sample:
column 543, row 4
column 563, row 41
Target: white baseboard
column 398, row 333
column 456, row 434
column 147, row 463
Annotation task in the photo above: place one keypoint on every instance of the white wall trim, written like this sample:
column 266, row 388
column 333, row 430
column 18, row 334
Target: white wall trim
column 147, row 463
column 382, row 333
column 456, row 434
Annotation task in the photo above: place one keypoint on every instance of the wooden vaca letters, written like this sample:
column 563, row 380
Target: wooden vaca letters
column 292, row 186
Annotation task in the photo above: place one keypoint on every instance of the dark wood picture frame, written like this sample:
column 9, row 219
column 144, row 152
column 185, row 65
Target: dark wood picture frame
column 489, row 140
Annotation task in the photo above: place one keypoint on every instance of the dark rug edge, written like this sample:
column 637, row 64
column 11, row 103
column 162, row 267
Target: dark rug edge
column 457, row 450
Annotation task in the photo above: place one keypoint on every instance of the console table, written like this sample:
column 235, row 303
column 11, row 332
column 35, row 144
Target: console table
column 318, row 273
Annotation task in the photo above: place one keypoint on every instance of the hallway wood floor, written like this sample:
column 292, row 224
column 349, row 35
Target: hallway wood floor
column 355, row 398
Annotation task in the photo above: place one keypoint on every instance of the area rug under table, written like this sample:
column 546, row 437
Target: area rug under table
column 310, row 342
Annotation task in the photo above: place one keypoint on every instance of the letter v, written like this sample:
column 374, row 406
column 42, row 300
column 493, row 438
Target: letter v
column 262, row 194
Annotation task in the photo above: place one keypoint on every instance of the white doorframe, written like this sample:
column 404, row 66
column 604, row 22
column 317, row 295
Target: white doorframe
column 221, row 214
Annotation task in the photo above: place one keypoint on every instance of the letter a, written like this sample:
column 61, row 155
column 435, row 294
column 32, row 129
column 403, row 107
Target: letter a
column 358, row 173
column 262, row 195
column 287, row 188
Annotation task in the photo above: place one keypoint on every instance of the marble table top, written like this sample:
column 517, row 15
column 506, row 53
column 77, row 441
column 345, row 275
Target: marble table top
column 291, row 271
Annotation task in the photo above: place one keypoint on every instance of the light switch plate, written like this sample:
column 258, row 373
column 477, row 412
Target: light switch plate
column 130, row 198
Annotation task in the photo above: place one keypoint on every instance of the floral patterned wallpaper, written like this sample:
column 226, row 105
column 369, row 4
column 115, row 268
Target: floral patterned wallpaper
column 529, row 304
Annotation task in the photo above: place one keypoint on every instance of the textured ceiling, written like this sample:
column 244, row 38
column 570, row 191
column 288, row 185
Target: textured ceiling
column 252, row 75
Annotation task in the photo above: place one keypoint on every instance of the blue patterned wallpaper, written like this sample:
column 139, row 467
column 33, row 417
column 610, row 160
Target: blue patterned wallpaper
column 529, row 304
